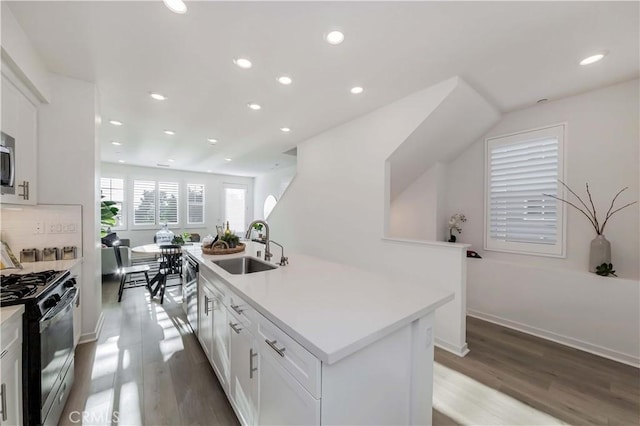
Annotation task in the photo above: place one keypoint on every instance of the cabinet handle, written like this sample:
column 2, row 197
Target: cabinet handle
column 234, row 327
column 272, row 343
column 206, row 305
column 4, row 353
column 3, row 392
column 237, row 309
column 251, row 369
column 25, row 190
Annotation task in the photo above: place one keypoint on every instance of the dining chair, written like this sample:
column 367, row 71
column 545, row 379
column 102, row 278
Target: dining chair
column 170, row 266
column 128, row 272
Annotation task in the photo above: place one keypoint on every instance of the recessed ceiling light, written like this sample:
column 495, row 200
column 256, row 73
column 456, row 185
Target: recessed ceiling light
column 212, row 141
column 334, row 37
column 243, row 63
column 357, row 90
column 116, row 122
column 593, row 58
column 171, row 160
column 208, row 171
column 227, row 159
column 120, row 161
column 285, row 129
column 254, row 106
column 176, row 6
column 169, row 132
column 115, row 143
column 285, row 80
column 158, row 96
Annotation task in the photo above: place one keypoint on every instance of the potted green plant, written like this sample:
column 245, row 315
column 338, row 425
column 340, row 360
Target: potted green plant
column 259, row 227
column 231, row 239
column 108, row 216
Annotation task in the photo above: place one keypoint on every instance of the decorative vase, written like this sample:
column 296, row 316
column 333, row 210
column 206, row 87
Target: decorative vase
column 164, row 236
column 600, row 252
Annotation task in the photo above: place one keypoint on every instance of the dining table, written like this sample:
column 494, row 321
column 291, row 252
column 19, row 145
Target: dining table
column 155, row 249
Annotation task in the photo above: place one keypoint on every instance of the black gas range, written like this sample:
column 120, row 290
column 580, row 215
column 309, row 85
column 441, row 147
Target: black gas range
column 48, row 347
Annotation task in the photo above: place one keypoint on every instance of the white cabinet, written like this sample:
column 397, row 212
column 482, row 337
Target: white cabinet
column 264, row 386
column 220, row 351
column 11, row 369
column 283, row 401
column 19, row 123
column 205, row 317
column 243, row 379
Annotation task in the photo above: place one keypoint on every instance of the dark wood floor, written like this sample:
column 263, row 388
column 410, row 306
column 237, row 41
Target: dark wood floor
column 148, row 368
column 570, row 385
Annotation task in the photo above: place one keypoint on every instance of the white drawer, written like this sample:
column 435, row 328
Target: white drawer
column 302, row 365
column 242, row 311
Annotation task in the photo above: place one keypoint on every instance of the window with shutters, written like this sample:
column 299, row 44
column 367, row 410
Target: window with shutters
column 112, row 189
column 155, row 203
column 520, row 169
column 195, row 204
column 235, row 207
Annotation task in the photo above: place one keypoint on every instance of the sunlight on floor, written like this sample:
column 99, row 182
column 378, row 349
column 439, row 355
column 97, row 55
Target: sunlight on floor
column 469, row 402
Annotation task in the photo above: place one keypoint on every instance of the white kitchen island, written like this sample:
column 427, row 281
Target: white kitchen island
column 317, row 342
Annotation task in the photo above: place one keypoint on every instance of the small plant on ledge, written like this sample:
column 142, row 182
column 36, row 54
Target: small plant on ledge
column 605, row 270
column 456, row 222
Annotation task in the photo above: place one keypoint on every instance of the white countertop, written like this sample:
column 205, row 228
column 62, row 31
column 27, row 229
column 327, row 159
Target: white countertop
column 56, row 265
column 333, row 310
column 9, row 312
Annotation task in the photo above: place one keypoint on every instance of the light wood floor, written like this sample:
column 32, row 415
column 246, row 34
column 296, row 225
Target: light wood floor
column 149, row 369
column 573, row 386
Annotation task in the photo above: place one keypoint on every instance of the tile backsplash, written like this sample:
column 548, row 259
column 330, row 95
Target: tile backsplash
column 41, row 226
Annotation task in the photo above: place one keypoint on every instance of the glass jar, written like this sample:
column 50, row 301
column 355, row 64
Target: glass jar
column 164, row 236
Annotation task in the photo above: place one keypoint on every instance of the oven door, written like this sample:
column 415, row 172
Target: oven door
column 56, row 347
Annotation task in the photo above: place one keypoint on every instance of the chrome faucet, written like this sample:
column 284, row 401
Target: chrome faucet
column 283, row 260
column 247, row 235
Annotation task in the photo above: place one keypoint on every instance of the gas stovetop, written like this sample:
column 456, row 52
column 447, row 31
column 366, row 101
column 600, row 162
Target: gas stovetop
column 22, row 288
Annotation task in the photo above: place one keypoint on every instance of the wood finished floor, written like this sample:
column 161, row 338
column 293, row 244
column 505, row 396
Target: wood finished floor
column 573, row 386
column 149, row 368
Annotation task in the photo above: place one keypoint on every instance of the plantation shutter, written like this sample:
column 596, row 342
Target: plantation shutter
column 235, row 207
column 519, row 174
column 112, row 189
column 195, row 203
column 144, row 202
column 168, row 202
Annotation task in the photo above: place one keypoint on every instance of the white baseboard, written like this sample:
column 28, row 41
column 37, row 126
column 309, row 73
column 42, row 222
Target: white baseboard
column 95, row 334
column 558, row 338
column 456, row 350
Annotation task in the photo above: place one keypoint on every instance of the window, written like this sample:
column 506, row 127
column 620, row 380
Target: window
column 112, row 189
column 155, row 203
column 195, row 204
column 520, row 169
column 235, row 207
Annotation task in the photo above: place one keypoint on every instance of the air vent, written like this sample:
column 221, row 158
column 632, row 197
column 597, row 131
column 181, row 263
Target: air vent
column 162, row 165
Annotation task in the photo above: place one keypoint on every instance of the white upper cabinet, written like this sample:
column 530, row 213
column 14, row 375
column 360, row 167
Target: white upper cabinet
column 19, row 143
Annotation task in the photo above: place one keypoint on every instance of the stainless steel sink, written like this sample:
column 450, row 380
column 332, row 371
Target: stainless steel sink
column 243, row 265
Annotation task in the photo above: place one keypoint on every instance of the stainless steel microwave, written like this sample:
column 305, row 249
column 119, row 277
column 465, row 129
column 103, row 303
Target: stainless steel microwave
column 7, row 164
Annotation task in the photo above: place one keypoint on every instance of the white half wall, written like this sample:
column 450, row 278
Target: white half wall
column 68, row 172
column 557, row 297
column 213, row 184
column 335, row 207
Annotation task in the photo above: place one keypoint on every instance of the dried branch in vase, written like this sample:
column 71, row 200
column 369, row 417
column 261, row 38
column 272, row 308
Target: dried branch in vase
column 590, row 213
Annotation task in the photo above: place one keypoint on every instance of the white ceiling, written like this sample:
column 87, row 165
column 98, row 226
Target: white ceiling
column 513, row 53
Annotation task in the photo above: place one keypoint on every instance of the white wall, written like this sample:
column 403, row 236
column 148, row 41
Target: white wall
column 418, row 211
column 274, row 183
column 335, row 207
column 68, row 169
column 214, row 215
column 552, row 295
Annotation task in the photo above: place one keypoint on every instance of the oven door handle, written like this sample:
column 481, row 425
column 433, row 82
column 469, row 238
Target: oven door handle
column 69, row 305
